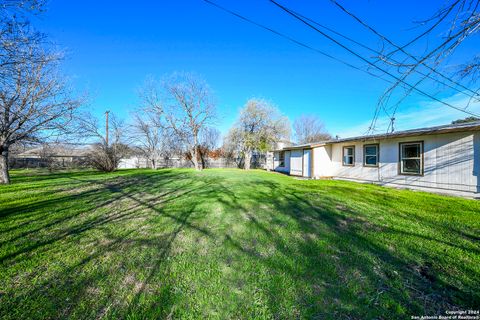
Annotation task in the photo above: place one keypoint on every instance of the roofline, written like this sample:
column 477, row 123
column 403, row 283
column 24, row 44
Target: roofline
column 474, row 126
column 463, row 127
column 303, row 146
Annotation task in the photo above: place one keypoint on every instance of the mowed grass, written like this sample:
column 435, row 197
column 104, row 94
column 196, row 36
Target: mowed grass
column 144, row 244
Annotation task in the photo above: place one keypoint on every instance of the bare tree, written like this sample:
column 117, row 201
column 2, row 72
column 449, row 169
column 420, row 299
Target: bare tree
column 110, row 147
column 259, row 126
column 14, row 7
column 191, row 108
column 210, row 138
column 150, row 131
column 461, row 19
column 470, row 70
column 309, row 128
column 233, row 147
column 35, row 103
column 47, row 153
column 17, row 37
column 456, row 21
column 401, row 65
column 148, row 134
column 208, row 142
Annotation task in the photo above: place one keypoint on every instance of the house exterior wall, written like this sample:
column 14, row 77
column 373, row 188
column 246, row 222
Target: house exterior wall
column 296, row 162
column 276, row 162
column 358, row 171
column 451, row 163
column 307, row 163
column 322, row 166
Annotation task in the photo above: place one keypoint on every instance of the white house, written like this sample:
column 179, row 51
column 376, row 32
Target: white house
column 441, row 159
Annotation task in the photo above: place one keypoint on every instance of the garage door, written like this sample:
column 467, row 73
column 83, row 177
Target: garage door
column 296, row 163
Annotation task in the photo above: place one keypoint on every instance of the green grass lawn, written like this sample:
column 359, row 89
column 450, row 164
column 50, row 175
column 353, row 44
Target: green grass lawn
column 144, row 244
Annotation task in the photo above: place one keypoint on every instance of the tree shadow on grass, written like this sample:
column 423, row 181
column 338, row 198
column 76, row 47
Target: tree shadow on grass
column 355, row 274
column 62, row 291
column 300, row 249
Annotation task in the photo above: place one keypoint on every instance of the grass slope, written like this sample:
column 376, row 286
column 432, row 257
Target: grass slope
column 141, row 244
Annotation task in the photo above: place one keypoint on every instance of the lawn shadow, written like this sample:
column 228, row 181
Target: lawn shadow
column 107, row 216
column 104, row 246
column 355, row 274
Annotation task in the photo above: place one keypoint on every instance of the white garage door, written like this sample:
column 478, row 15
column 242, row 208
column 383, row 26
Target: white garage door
column 296, row 163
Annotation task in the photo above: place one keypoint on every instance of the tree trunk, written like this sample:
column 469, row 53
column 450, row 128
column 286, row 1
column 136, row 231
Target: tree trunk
column 248, row 159
column 195, row 159
column 154, row 163
column 202, row 159
column 152, row 159
column 4, row 175
column 195, row 152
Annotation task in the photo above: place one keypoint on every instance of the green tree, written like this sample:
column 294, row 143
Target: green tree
column 259, row 126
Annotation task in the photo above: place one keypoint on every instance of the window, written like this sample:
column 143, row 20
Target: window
column 281, row 159
column 349, row 156
column 370, row 155
column 411, row 158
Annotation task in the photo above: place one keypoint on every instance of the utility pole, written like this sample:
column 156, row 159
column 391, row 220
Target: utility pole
column 106, row 125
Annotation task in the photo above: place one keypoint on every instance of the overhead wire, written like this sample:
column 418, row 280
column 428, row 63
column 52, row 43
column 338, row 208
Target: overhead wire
column 291, row 39
column 287, row 10
column 401, row 48
column 382, row 70
column 475, row 95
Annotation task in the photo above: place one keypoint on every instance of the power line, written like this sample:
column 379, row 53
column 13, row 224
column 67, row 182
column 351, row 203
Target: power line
column 370, row 63
column 291, row 39
column 106, row 126
column 302, row 44
column 442, row 16
column 395, row 61
column 401, row 48
column 377, row 110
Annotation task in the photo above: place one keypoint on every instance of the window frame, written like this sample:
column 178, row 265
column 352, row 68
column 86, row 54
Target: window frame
column 281, row 162
column 377, row 145
column 421, row 158
column 353, row 156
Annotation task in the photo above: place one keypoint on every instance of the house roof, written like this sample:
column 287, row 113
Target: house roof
column 460, row 127
column 56, row 151
column 303, row 146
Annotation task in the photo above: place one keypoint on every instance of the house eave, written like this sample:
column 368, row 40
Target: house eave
column 463, row 127
column 300, row 147
column 409, row 133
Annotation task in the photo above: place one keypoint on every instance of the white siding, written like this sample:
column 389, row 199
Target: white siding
column 451, row 162
column 322, row 157
column 358, row 171
column 296, row 162
column 307, row 158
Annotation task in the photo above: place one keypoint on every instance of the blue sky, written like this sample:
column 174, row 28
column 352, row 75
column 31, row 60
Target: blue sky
column 112, row 46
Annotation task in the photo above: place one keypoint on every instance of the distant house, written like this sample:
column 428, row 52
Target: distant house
column 42, row 156
column 442, row 159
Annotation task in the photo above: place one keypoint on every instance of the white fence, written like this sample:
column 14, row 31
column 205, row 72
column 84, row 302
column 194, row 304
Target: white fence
column 137, row 162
